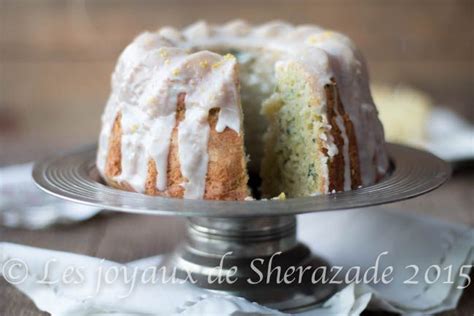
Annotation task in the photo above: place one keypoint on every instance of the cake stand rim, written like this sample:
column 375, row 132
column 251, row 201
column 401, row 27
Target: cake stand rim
column 75, row 184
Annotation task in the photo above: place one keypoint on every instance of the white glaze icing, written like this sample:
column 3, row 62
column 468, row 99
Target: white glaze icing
column 155, row 68
column 345, row 150
column 146, row 84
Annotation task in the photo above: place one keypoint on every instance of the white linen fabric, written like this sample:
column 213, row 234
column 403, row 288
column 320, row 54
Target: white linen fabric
column 430, row 258
column 22, row 204
column 449, row 135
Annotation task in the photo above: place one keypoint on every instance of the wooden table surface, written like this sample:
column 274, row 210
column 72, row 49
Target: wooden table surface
column 55, row 63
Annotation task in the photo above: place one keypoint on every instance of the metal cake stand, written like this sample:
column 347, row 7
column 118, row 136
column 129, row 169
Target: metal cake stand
column 255, row 235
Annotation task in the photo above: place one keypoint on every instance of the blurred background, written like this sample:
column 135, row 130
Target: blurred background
column 56, row 57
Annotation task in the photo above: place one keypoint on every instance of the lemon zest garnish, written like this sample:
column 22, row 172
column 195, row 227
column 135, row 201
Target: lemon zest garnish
column 229, row 57
column 316, row 38
column 163, row 53
column 152, row 100
column 216, row 65
column 134, row 128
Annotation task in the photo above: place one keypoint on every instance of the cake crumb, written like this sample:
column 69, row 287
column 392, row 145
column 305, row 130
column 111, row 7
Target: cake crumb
column 281, row 197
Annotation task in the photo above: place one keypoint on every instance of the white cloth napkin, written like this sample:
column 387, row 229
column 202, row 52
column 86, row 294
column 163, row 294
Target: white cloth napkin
column 347, row 239
column 22, row 204
column 41, row 275
column 450, row 136
column 413, row 243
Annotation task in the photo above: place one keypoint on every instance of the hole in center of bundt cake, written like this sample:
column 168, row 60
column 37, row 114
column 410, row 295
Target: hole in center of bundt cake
column 255, row 183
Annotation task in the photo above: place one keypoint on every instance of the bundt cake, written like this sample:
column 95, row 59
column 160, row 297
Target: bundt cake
column 174, row 123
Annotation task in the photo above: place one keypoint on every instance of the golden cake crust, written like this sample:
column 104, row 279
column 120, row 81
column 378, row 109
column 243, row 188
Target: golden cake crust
column 336, row 164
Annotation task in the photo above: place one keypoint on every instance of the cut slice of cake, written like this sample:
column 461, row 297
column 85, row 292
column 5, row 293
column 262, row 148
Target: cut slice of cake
column 310, row 146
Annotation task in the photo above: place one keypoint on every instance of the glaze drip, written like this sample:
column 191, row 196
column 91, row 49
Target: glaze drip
column 145, row 89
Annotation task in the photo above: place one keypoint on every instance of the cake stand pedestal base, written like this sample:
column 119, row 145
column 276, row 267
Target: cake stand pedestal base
column 259, row 259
